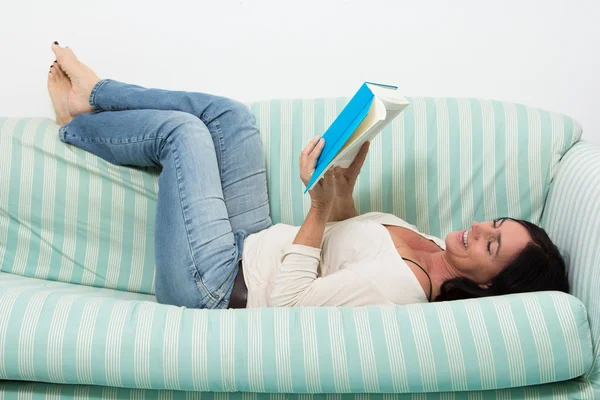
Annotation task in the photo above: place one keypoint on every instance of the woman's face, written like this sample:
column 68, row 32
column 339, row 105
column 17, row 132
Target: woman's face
column 490, row 247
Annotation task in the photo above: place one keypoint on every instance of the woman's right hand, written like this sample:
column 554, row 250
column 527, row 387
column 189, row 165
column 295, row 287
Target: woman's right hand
column 323, row 193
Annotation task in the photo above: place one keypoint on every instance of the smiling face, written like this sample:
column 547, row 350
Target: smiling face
column 490, row 247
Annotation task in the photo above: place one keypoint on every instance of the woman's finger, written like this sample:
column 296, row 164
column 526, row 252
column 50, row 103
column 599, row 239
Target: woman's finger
column 317, row 149
column 358, row 162
column 310, row 146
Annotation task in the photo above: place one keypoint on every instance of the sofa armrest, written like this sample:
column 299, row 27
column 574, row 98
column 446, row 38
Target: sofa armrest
column 572, row 219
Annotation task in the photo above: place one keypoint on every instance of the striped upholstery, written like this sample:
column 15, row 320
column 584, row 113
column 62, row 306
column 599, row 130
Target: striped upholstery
column 572, row 219
column 574, row 389
column 68, row 216
column 65, row 333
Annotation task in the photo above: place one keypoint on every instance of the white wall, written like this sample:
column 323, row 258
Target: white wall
column 541, row 53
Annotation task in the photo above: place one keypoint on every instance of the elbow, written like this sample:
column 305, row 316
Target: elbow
column 277, row 299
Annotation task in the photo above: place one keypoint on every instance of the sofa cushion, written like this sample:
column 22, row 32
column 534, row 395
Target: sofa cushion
column 64, row 333
column 69, row 216
column 442, row 163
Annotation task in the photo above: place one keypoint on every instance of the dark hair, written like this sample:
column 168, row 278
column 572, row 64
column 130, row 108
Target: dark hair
column 540, row 266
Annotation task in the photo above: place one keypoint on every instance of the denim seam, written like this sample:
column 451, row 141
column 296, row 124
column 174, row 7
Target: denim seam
column 205, row 117
column 98, row 139
column 92, row 98
column 221, row 148
column 201, row 287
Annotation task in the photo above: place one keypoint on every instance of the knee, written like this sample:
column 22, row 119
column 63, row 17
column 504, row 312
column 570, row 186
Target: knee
column 184, row 126
column 179, row 120
column 182, row 132
column 233, row 109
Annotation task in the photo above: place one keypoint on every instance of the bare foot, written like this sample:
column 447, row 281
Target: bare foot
column 59, row 87
column 82, row 80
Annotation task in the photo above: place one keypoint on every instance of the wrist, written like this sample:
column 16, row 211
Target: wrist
column 346, row 198
column 321, row 207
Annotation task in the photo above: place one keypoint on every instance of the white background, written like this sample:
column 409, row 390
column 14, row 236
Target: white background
column 540, row 53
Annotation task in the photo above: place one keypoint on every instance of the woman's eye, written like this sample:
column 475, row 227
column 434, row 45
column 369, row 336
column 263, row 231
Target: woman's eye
column 489, row 247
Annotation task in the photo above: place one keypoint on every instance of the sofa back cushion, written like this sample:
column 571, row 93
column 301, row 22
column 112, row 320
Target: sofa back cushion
column 67, row 215
column 442, row 164
column 70, row 216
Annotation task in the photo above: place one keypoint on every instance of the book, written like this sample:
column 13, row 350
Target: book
column 367, row 113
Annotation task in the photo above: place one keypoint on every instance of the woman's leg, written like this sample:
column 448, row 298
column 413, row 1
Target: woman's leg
column 234, row 133
column 199, row 222
column 232, row 127
column 196, row 249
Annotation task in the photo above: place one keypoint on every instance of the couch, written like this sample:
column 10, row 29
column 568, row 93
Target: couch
column 78, row 317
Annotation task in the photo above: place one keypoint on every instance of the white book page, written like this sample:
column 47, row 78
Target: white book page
column 390, row 97
column 367, row 130
column 387, row 104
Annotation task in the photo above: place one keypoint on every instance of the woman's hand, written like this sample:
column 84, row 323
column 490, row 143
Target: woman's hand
column 345, row 178
column 323, row 193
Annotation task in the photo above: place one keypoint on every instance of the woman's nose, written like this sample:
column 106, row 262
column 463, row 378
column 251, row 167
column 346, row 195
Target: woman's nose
column 478, row 229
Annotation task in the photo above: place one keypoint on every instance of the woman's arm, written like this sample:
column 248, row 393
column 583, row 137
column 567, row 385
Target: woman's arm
column 298, row 283
column 344, row 180
column 342, row 209
column 311, row 231
column 322, row 195
column 301, row 259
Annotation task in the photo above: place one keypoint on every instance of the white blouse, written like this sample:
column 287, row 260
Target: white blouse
column 357, row 265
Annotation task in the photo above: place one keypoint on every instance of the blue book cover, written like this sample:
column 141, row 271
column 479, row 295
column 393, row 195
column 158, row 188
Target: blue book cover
column 343, row 127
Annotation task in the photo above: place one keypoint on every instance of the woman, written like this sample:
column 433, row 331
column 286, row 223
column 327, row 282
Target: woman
column 213, row 212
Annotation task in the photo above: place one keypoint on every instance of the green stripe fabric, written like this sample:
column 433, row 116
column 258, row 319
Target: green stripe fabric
column 65, row 333
column 67, row 215
column 572, row 219
column 574, row 389
column 72, row 217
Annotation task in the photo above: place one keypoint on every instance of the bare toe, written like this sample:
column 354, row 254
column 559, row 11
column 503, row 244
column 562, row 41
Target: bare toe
column 59, row 87
column 59, row 71
column 65, row 57
column 82, row 79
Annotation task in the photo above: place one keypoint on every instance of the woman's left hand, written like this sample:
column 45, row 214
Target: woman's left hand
column 345, row 178
column 323, row 193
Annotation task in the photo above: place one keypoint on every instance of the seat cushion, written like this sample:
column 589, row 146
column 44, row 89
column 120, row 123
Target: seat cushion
column 64, row 333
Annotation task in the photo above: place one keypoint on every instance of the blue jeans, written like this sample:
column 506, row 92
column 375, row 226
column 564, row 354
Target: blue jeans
column 212, row 187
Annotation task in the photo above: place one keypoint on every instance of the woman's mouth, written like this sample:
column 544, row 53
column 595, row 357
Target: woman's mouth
column 463, row 237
